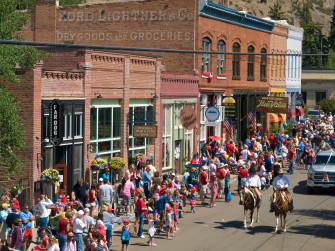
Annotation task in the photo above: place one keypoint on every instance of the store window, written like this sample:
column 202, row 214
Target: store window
column 188, row 144
column 251, row 59
column 167, row 153
column 206, row 58
column 106, row 131
column 78, row 124
column 263, row 65
column 221, row 57
column 236, row 62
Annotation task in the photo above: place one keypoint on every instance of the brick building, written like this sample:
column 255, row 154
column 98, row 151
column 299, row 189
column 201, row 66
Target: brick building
column 96, row 91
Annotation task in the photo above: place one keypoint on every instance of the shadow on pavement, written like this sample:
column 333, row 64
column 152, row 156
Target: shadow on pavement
column 300, row 188
column 229, row 224
column 260, row 229
column 316, row 213
column 316, row 230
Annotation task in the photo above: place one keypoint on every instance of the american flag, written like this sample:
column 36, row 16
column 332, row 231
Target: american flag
column 252, row 119
column 229, row 127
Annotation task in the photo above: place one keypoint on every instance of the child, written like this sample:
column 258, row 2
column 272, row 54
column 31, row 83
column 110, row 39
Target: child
column 125, row 236
column 227, row 188
column 193, row 199
column 169, row 223
column 214, row 190
column 151, row 230
column 70, row 244
column 184, row 193
column 137, row 219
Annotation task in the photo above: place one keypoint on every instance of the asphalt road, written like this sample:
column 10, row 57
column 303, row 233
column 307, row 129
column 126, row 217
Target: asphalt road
column 310, row 227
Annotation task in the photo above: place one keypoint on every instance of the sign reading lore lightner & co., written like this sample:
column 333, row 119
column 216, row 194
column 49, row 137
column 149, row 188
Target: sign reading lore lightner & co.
column 272, row 104
column 145, row 131
column 55, row 122
column 188, row 117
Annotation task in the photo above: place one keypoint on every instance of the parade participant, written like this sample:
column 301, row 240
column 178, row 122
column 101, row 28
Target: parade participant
column 244, row 174
column 125, row 236
column 214, row 190
column 203, row 180
column 281, row 182
column 276, row 167
column 27, row 219
column 220, row 174
column 146, row 181
column 253, row 182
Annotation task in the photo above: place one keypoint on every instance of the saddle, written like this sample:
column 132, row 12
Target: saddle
column 253, row 195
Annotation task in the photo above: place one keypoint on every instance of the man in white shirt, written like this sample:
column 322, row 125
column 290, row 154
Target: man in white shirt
column 245, row 153
column 79, row 224
column 281, row 182
column 253, row 182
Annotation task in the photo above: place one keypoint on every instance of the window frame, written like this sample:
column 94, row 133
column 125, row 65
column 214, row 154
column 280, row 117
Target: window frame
column 236, row 62
column 206, row 58
column 263, row 63
column 221, row 57
column 250, row 64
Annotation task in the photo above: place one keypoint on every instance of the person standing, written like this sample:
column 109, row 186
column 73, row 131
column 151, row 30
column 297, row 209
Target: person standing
column 63, row 229
column 146, row 181
column 203, row 183
column 79, row 224
column 92, row 195
column 17, row 234
column 41, row 207
column 141, row 208
column 105, row 194
column 108, row 220
column 3, row 216
column 89, row 221
column 27, row 218
column 220, row 173
column 268, row 167
column 127, row 189
column 80, row 191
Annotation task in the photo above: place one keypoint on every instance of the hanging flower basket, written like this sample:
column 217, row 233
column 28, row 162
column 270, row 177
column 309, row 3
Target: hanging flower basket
column 50, row 176
column 116, row 163
column 98, row 163
column 17, row 188
column 139, row 158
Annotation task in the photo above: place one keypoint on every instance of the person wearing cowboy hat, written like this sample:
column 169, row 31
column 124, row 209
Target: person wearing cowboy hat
column 253, row 182
column 282, row 183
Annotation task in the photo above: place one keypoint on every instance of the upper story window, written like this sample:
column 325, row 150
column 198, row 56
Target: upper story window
column 236, row 61
column 251, row 58
column 206, row 58
column 263, row 65
column 221, row 57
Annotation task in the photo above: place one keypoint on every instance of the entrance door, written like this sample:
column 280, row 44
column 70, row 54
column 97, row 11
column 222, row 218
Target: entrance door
column 62, row 169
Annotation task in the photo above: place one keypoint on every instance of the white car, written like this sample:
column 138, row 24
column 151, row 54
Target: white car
column 314, row 114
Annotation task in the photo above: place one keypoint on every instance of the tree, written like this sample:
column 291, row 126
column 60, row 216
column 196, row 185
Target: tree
column 331, row 37
column 275, row 12
column 327, row 105
column 11, row 130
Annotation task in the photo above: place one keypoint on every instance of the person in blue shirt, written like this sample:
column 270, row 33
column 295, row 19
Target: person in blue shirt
column 160, row 207
column 248, row 142
column 280, row 142
column 301, row 149
column 268, row 167
column 104, row 175
column 27, row 218
column 222, row 157
column 146, row 181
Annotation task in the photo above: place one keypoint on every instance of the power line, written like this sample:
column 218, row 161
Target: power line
column 122, row 48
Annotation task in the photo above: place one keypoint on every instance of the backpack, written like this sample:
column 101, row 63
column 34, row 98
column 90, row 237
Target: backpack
column 125, row 235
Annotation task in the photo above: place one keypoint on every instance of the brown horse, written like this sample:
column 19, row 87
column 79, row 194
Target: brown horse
column 281, row 207
column 249, row 204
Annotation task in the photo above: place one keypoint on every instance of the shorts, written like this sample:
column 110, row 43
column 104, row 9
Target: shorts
column 269, row 175
column 107, row 203
column 221, row 184
column 3, row 236
column 10, row 232
column 127, row 199
column 125, row 242
column 204, row 188
column 161, row 216
column 28, row 234
column 93, row 204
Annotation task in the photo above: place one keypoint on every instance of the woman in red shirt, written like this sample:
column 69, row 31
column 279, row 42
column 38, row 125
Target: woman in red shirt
column 45, row 240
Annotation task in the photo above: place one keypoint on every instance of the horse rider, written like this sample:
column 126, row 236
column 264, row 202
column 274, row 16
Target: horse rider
column 253, row 182
column 281, row 183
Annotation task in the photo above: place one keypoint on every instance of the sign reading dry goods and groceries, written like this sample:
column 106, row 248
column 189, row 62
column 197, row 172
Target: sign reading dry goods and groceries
column 230, row 107
column 272, row 104
column 54, row 122
column 188, row 118
column 145, row 131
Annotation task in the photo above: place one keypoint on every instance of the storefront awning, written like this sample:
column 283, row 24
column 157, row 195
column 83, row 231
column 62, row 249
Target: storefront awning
column 282, row 117
column 291, row 114
column 299, row 111
column 273, row 118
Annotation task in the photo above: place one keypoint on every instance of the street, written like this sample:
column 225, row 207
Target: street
column 310, row 227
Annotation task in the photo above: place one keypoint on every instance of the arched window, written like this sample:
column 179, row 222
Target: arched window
column 221, row 57
column 206, row 58
column 263, row 65
column 236, row 61
column 251, row 59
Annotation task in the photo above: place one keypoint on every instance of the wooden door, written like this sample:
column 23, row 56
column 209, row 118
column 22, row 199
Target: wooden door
column 62, row 169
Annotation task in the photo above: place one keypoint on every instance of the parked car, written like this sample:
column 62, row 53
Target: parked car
column 321, row 174
column 314, row 114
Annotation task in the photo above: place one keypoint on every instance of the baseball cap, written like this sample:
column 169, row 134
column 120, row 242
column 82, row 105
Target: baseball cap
column 101, row 179
column 80, row 212
column 4, row 205
column 205, row 168
column 86, row 210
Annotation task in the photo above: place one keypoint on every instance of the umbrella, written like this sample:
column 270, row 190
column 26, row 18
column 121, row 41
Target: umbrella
column 215, row 137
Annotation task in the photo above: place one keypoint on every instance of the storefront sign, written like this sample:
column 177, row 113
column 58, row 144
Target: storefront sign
column 272, row 104
column 230, row 107
column 55, row 122
column 212, row 113
column 145, row 131
column 188, row 117
column 212, row 123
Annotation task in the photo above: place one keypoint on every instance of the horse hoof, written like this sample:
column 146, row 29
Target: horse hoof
column 245, row 228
